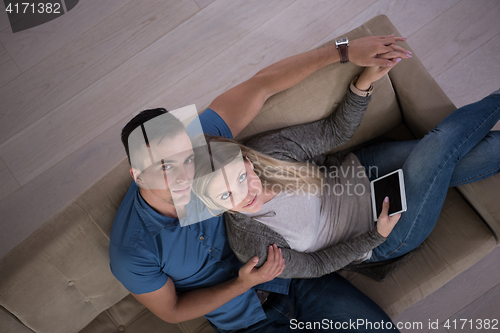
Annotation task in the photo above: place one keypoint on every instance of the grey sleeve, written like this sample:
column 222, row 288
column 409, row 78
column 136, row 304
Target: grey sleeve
column 331, row 259
column 248, row 238
column 304, row 142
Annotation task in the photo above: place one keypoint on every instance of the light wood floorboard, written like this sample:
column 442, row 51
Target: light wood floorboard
column 8, row 68
column 486, row 307
column 86, row 60
column 203, row 3
column 29, row 47
column 480, row 70
column 7, row 182
column 4, row 18
column 408, row 16
column 456, row 294
column 128, row 87
column 296, row 28
column 457, row 32
column 29, row 206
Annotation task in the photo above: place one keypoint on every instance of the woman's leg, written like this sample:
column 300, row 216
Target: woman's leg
column 429, row 168
column 480, row 162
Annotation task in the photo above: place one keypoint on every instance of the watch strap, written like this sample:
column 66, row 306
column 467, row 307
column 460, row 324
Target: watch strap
column 344, row 56
column 359, row 92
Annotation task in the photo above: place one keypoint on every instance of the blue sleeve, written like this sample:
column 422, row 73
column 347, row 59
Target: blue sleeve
column 213, row 124
column 138, row 273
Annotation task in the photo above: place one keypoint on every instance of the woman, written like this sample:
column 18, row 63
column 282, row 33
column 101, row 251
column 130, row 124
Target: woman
column 321, row 229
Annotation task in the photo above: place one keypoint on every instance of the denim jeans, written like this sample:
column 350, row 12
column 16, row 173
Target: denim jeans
column 331, row 301
column 460, row 150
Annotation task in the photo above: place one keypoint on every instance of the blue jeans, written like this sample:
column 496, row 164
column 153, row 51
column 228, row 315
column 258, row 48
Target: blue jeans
column 460, row 150
column 326, row 300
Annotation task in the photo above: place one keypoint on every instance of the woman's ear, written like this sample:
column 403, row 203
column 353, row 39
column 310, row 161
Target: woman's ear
column 246, row 157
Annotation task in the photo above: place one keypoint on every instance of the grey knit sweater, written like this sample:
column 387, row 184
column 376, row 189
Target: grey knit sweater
column 308, row 142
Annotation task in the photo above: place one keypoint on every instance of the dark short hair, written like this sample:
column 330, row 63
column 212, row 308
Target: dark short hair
column 174, row 126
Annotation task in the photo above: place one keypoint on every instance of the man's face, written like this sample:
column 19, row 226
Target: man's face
column 170, row 175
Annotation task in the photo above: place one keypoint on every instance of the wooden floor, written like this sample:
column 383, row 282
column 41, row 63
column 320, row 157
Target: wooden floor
column 68, row 86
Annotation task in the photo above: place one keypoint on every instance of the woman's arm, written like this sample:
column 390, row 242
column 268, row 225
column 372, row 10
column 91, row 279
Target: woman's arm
column 248, row 238
column 303, row 142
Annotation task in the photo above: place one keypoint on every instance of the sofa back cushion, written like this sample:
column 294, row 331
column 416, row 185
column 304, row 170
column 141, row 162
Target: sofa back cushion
column 58, row 279
column 319, row 95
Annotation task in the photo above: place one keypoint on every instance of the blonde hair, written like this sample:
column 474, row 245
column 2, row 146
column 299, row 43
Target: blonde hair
column 272, row 172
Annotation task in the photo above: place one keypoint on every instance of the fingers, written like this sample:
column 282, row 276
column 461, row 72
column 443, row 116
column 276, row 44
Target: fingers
column 274, row 264
column 398, row 48
column 250, row 264
column 392, row 39
column 382, row 62
column 391, row 55
column 385, row 207
column 279, row 263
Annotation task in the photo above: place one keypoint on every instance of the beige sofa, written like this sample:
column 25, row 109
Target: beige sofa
column 58, row 279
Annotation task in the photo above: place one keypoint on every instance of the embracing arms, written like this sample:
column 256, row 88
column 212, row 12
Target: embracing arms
column 248, row 237
column 175, row 307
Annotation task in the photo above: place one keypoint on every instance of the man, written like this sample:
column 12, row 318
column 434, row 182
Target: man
column 181, row 273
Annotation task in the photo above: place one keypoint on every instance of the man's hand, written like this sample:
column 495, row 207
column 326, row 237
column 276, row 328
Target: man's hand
column 386, row 223
column 376, row 51
column 250, row 276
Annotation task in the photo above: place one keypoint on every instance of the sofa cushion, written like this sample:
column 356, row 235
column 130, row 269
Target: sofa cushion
column 132, row 316
column 483, row 196
column 459, row 240
column 10, row 324
column 58, row 279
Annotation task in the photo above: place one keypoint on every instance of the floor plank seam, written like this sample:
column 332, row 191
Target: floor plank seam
column 216, row 55
column 435, row 18
column 10, row 172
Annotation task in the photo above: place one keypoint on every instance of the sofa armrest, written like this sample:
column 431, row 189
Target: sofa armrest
column 423, row 103
column 483, row 197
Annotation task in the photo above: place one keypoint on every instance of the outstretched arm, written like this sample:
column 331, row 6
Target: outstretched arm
column 303, row 142
column 239, row 105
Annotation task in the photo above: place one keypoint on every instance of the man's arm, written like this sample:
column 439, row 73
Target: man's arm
column 174, row 308
column 239, row 105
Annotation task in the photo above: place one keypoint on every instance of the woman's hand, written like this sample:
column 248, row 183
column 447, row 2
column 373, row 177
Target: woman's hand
column 386, row 223
column 250, row 276
column 372, row 74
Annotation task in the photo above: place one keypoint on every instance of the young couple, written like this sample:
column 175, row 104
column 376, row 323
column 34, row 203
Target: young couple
column 183, row 272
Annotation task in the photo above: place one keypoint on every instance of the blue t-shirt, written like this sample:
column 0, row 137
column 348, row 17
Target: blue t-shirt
column 147, row 247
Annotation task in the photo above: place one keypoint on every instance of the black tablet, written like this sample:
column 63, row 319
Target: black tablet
column 391, row 185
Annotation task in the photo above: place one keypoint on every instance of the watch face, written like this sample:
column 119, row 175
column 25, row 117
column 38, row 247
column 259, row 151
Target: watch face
column 341, row 41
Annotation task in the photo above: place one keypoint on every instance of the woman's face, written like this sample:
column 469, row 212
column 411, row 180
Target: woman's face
column 237, row 187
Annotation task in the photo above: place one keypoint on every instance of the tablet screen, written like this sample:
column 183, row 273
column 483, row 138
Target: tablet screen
column 388, row 186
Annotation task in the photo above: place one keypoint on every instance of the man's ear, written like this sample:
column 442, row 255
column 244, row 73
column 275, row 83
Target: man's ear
column 135, row 176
